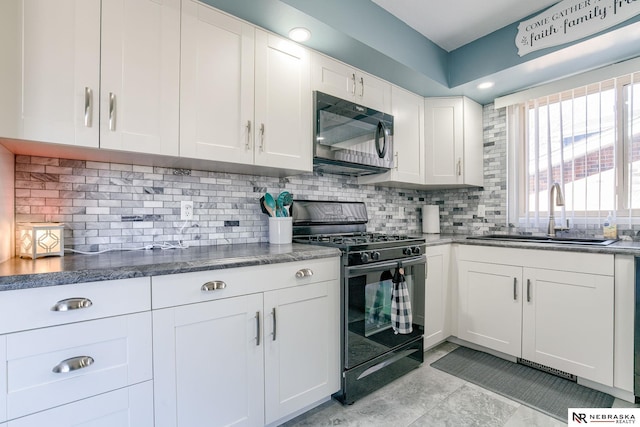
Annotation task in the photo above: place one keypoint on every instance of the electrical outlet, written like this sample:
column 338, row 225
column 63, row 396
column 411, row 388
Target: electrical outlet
column 481, row 211
column 401, row 212
column 186, row 210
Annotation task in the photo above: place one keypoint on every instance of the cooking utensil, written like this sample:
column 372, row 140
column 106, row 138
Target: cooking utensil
column 269, row 204
column 280, row 205
column 285, row 199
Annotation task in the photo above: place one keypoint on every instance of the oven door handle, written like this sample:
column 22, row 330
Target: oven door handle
column 359, row 269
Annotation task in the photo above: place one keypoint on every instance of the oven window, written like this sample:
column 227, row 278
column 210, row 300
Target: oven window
column 369, row 329
column 377, row 307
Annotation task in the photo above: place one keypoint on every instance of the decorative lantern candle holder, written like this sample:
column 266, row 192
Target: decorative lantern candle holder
column 40, row 239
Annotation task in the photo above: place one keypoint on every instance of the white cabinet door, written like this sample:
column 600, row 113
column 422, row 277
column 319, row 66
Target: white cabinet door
column 52, row 88
column 216, row 85
column 490, row 305
column 283, row 104
column 338, row 79
column 3, row 378
column 127, row 407
column 437, row 296
column 443, row 140
column 208, row 364
column 333, row 77
column 408, row 136
column 568, row 322
column 301, row 347
column 373, row 92
column 453, row 142
column 140, row 76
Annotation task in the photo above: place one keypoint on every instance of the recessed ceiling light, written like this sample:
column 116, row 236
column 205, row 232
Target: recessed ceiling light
column 299, row 34
column 485, row 85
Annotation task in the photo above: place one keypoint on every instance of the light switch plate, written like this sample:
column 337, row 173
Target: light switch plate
column 481, row 211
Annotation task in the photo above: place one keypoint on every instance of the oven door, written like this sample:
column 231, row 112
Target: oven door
column 367, row 328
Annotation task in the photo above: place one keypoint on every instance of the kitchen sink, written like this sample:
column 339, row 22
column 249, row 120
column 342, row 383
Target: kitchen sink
column 544, row 239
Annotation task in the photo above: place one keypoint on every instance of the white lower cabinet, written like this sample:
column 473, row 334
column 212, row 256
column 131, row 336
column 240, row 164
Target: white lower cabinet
column 49, row 367
column 127, row 407
column 245, row 360
column 208, row 366
column 3, row 379
column 490, row 305
column 77, row 355
column 567, row 322
column 560, row 316
column 437, row 325
column 301, row 347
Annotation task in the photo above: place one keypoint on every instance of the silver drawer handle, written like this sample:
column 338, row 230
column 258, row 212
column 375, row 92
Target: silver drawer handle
column 72, row 304
column 73, row 364
column 304, row 272
column 213, row 285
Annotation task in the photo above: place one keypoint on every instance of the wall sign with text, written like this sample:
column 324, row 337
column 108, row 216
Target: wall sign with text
column 571, row 20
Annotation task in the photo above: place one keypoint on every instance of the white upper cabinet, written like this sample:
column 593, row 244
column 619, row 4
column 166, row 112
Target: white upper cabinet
column 453, row 142
column 408, row 141
column 216, row 87
column 338, row 79
column 283, row 104
column 245, row 94
column 140, row 75
column 52, row 71
column 94, row 74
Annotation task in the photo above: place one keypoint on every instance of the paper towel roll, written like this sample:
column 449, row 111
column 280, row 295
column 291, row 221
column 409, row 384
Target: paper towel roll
column 431, row 219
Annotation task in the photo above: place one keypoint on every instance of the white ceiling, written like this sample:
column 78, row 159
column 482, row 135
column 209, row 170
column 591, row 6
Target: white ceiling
column 451, row 24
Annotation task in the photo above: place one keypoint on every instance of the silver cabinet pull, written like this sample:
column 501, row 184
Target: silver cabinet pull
column 112, row 111
column 213, row 285
column 515, row 292
column 88, row 107
column 353, row 77
column 361, row 87
column 261, row 136
column 72, row 304
column 528, row 290
column 396, row 160
column 258, row 333
column 275, row 323
column 248, row 145
column 459, row 166
column 73, row 364
column 304, row 272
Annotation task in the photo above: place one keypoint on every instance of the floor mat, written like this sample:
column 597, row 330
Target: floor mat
column 539, row 390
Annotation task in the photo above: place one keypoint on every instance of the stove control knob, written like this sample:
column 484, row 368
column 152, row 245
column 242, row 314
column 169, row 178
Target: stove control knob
column 375, row 255
column 406, row 251
column 416, row 250
column 364, row 257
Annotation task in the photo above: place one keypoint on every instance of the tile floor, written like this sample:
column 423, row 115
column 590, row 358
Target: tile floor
column 429, row 397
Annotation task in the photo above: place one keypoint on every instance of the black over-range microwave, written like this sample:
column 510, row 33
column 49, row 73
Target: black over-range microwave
column 349, row 138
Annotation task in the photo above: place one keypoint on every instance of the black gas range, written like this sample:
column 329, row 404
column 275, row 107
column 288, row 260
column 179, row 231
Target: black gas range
column 375, row 349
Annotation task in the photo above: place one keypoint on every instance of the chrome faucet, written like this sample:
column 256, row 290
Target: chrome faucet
column 551, row 229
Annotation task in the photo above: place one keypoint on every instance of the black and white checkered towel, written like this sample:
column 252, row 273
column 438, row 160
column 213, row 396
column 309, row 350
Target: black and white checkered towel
column 401, row 318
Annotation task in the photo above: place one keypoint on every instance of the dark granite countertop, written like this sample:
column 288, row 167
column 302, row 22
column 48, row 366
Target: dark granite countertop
column 18, row 273
column 621, row 247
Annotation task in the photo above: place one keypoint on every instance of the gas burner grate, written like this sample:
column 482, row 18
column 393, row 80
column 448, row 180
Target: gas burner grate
column 354, row 238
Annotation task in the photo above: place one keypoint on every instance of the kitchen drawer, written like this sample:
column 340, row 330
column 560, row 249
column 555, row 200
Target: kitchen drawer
column 186, row 288
column 127, row 407
column 119, row 346
column 33, row 308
